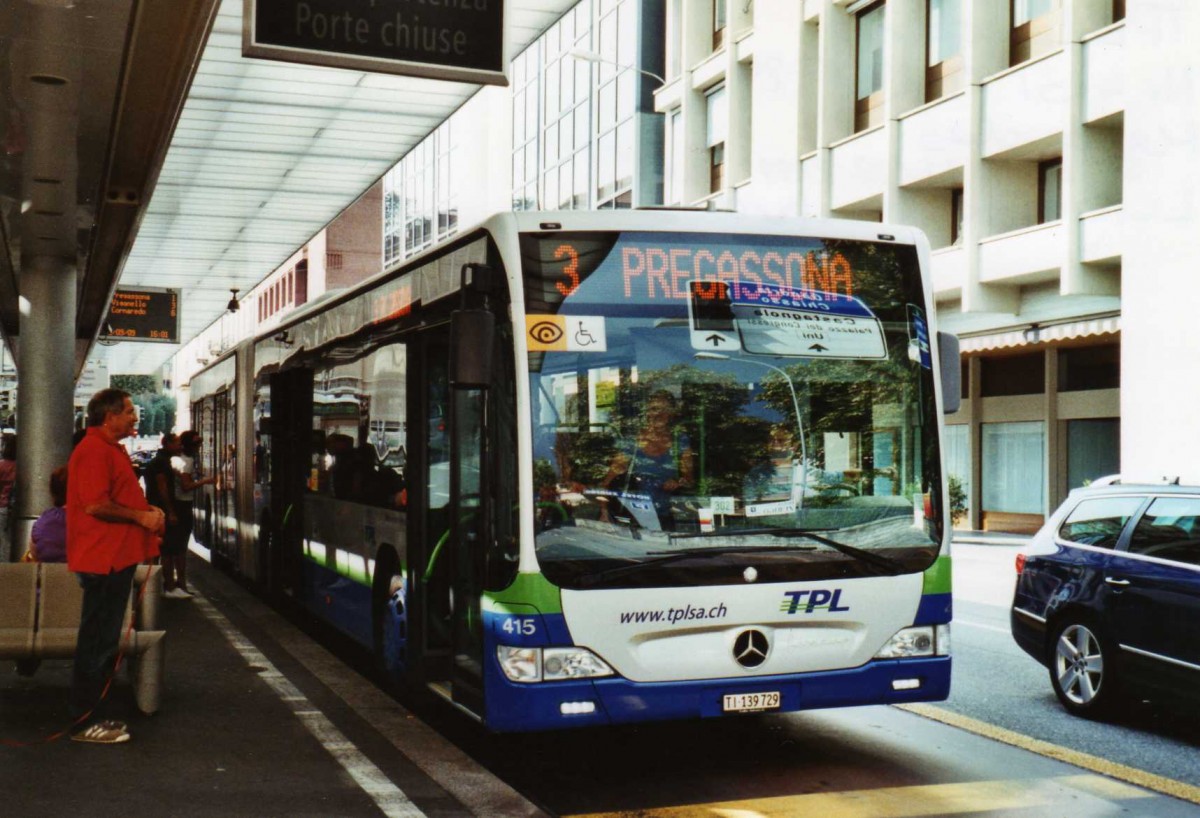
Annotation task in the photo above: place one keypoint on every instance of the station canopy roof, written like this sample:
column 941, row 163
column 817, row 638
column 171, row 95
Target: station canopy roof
column 197, row 168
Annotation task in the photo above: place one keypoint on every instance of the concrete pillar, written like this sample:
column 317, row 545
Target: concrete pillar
column 1159, row 342
column 1078, row 278
column 984, row 55
column 835, row 92
column 47, row 84
column 975, row 393
column 777, row 112
column 46, row 385
column 904, row 90
column 1055, row 442
column 696, row 32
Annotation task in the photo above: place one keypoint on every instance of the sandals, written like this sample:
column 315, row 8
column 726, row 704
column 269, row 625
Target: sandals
column 103, row 732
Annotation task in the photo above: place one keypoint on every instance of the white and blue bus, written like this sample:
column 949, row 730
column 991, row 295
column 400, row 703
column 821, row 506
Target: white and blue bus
column 590, row 468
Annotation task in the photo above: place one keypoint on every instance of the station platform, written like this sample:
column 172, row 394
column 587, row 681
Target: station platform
column 256, row 719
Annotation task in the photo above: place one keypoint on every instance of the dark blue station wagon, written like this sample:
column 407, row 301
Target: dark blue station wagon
column 1108, row 596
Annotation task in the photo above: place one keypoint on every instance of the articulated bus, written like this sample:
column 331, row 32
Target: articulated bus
column 589, row 468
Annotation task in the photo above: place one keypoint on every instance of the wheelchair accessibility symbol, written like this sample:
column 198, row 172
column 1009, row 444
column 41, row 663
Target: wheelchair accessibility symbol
column 583, row 338
column 565, row 333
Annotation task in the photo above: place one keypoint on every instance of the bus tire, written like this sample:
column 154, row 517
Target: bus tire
column 389, row 617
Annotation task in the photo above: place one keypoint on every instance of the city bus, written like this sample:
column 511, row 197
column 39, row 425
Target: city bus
column 591, row 468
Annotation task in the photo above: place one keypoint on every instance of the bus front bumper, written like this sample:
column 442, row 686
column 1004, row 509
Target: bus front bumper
column 558, row 705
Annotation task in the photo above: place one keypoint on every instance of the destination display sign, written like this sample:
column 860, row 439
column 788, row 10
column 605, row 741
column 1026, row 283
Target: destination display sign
column 808, row 323
column 769, row 320
column 771, row 295
column 143, row 314
column 456, row 40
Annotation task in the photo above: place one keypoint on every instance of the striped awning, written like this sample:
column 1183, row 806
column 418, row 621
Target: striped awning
column 1023, row 336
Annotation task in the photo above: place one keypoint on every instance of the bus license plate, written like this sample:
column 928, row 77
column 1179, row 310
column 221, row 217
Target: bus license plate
column 750, row 702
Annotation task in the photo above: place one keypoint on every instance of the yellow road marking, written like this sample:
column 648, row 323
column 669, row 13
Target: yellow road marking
column 910, row 802
column 1131, row 775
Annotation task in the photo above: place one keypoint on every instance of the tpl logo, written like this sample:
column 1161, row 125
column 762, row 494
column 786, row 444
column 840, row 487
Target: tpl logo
column 818, row 599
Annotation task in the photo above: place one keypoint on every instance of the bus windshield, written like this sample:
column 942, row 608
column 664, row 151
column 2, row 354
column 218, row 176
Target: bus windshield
column 706, row 405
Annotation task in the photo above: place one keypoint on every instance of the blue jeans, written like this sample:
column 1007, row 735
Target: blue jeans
column 105, row 597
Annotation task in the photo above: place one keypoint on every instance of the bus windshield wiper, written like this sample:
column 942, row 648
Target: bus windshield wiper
column 666, row 557
column 890, row 566
column 887, row 564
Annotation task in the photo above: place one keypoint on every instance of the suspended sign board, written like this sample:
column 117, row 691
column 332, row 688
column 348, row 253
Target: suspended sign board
column 142, row 314
column 456, row 40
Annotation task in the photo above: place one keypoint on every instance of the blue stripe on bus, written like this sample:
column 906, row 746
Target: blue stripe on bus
column 521, row 626
column 935, row 609
column 338, row 600
column 524, row 707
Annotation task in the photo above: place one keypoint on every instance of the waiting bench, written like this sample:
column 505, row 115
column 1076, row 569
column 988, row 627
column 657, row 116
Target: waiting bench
column 40, row 604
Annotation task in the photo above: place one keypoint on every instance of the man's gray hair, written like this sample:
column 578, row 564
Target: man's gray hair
column 103, row 403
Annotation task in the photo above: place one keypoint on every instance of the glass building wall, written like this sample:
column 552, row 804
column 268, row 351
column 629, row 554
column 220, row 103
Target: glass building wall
column 574, row 120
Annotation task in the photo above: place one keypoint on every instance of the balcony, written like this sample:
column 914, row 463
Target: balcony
column 1102, row 235
column 948, row 272
column 1024, row 104
column 670, row 96
column 933, row 139
column 710, row 72
column 744, row 47
column 858, row 167
column 1104, row 67
column 1030, row 255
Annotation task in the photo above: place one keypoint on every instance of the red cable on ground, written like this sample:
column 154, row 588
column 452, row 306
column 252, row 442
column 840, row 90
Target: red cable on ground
column 7, row 742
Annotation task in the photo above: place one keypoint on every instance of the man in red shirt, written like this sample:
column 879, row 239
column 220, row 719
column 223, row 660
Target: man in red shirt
column 110, row 529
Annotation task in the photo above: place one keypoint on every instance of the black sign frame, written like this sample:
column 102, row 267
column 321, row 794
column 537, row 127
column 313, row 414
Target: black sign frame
column 144, row 314
column 464, row 38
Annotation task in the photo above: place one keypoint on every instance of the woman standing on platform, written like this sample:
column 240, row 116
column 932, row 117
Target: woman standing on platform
column 175, row 544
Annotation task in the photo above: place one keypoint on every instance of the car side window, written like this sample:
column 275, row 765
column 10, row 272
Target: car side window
column 1170, row 530
column 1099, row 522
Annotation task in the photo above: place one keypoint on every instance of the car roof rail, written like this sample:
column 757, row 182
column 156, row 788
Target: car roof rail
column 1107, row 480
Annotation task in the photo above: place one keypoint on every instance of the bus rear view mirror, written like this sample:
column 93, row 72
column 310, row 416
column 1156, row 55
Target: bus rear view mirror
column 471, row 337
column 951, row 372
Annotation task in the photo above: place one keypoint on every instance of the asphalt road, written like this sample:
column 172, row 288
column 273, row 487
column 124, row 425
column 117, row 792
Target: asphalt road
column 996, row 682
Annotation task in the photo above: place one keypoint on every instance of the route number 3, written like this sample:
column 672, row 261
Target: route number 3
column 520, row 627
column 570, row 269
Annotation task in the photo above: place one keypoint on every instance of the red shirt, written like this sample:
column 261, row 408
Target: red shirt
column 100, row 471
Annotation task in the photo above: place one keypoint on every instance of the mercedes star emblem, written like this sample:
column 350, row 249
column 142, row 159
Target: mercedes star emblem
column 750, row 648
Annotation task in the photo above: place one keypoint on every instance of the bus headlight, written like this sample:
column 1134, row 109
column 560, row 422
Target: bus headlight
column 520, row 664
column 926, row 640
column 550, row 664
column 573, row 663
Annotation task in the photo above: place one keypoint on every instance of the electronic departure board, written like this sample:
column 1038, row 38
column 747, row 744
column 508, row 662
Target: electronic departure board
column 143, row 314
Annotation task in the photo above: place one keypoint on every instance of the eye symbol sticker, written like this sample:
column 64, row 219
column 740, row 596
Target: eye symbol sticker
column 546, row 332
column 558, row 333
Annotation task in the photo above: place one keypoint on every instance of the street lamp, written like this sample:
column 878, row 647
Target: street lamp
column 591, row 56
column 797, row 496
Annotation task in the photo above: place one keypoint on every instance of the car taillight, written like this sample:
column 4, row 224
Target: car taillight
column 1020, row 564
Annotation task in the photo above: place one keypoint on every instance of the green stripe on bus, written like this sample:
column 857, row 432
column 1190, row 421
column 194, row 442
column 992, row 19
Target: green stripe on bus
column 527, row 589
column 356, row 576
column 937, row 577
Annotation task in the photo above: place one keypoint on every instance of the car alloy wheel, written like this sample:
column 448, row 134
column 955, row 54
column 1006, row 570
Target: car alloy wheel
column 1077, row 669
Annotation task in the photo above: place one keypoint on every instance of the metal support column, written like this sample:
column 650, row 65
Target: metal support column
column 48, row 91
column 46, row 386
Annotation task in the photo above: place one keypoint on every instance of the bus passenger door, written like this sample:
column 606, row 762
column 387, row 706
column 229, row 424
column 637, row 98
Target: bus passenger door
column 290, row 443
column 449, row 581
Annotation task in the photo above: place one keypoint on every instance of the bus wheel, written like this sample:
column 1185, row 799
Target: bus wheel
column 389, row 603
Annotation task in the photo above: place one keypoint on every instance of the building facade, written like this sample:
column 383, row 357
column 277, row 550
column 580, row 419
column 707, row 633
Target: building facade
column 997, row 127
